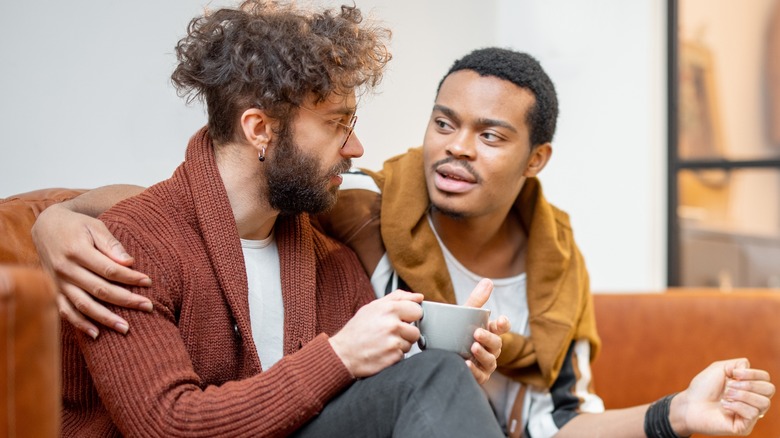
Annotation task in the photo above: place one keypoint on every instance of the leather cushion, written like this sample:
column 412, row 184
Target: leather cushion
column 655, row 343
column 30, row 360
column 17, row 215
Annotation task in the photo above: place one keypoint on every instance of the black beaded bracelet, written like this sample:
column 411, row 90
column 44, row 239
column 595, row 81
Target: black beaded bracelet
column 657, row 424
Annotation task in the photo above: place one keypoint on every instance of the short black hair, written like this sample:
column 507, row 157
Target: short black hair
column 524, row 71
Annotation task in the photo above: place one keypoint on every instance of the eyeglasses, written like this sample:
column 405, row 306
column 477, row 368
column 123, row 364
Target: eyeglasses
column 348, row 127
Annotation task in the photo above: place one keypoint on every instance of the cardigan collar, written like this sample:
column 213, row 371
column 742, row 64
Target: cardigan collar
column 218, row 227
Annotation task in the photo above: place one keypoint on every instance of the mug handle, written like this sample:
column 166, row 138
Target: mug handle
column 421, row 341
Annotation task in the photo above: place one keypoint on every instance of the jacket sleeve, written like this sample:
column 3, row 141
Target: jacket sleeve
column 571, row 394
column 147, row 381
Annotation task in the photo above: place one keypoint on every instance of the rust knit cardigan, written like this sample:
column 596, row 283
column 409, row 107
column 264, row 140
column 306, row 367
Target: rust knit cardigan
column 190, row 368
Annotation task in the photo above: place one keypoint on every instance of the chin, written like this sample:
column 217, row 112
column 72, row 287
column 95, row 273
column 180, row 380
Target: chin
column 448, row 211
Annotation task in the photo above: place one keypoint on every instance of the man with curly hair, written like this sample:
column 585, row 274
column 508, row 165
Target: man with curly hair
column 261, row 325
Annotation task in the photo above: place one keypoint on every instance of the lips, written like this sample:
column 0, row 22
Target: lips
column 452, row 178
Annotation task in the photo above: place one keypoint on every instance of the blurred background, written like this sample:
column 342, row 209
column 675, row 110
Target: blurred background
column 85, row 101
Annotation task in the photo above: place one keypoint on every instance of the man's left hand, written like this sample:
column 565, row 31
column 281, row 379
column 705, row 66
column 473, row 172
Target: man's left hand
column 487, row 348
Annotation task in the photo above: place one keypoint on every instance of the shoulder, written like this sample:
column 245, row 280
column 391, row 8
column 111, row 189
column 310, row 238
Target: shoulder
column 358, row 205
column 151, row 215
column 355, row 219
column 155, row 231
column 358, row 179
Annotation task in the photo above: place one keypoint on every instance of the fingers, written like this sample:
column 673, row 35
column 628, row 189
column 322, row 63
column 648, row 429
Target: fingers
column 102, row 290
column 408, row 311
column 110, row 260
column 753, row 392
column 75, row 318
column 484, row 354
column 480, row 294
column 748, row 396
column 409, row 333
column 482, row 363
column 730, row 366
column 405, row 305
column 479, row 374
column 81, row 303
column 491, row 342
column 402, row 295
column 107, row 244
column 500, row 325
column 750, row 374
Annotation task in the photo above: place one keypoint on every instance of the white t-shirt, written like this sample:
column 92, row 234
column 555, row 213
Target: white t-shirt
column 509, row 299
column 266, row 308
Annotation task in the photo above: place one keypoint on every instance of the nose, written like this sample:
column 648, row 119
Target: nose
column 353, row 148
column 461, row 147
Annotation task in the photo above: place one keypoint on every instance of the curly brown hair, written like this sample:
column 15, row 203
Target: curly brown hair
column 272, row 55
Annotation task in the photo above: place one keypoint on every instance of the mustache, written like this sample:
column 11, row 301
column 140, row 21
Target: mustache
column 342, row 167
column 462, row 163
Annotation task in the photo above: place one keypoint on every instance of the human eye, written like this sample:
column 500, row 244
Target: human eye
column 491, row 137
column 337, row 124
column 443, row 124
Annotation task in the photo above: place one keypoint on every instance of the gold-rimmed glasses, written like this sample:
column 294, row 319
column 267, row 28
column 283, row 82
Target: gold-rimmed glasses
column 348, row 127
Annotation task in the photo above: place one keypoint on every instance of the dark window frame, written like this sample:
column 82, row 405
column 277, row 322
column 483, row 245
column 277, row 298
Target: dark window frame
column 674, row 163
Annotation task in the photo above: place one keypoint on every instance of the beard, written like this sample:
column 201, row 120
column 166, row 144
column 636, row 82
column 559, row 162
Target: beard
column 295, row 182
column 452, row 214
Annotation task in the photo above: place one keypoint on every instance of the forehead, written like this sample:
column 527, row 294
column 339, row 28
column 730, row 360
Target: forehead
column 476, row 97
column 335, row 102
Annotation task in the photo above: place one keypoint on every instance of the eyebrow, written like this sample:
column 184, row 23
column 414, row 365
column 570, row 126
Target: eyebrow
column 483, row 121
column 344, row 111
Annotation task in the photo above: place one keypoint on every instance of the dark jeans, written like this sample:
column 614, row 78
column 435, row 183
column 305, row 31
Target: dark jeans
column 431, row 394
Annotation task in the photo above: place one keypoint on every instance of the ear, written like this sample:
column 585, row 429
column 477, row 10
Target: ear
column 256, row 127
column 540, row 155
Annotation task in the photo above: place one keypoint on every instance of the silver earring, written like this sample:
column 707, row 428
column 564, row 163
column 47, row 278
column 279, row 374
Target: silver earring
column 261, row 157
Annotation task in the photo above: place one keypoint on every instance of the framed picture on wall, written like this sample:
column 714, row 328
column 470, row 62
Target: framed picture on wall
column 703, row 192
column 699, row 117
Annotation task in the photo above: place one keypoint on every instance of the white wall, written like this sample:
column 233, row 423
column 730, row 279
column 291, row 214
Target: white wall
column 83, row 103
column 608, row 61
column 86, row 97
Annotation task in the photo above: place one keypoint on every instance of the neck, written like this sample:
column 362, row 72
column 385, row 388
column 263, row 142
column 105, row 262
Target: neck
column 491, row 246
column 246, row 189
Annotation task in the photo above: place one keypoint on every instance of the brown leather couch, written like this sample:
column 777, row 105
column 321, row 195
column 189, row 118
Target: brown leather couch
column 653, row 343
column 29, row 342
column 29, row 323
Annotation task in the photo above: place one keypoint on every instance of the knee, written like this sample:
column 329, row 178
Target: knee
column 440, row 363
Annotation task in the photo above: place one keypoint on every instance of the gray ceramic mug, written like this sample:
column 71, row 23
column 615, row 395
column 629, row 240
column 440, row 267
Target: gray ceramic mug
column 450, row 327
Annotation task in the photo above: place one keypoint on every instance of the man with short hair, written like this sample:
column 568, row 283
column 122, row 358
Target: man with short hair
column 467, row 206
column 261, row 325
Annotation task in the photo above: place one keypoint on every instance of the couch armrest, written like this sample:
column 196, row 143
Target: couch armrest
column 17, row 216
column 654, row 344
column 30, row 366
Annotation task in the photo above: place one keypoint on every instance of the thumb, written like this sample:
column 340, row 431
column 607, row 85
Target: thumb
column 480, row 294
column 736, row 364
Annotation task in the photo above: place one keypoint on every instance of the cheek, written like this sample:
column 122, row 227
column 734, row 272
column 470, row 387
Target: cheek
column 504, row 174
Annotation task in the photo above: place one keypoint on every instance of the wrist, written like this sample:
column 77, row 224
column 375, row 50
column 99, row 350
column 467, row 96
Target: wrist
column 677, row 414
column 341, row 353
column 660, row 417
